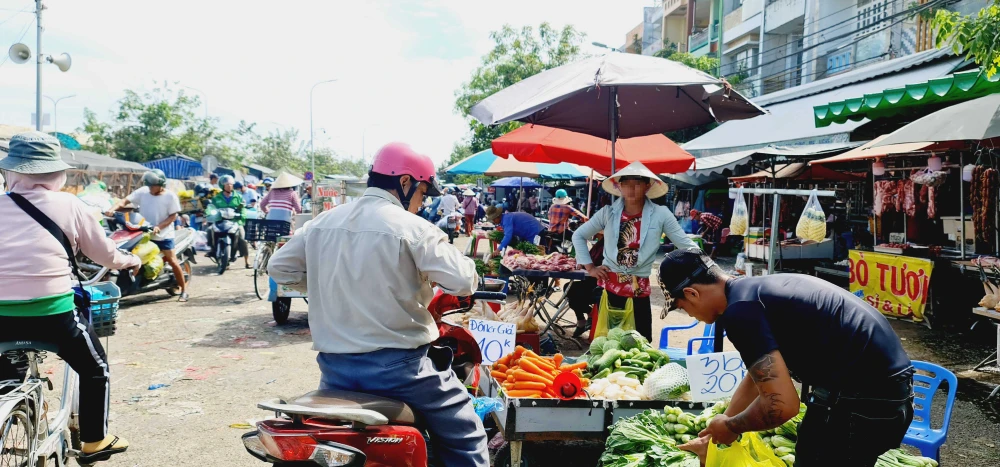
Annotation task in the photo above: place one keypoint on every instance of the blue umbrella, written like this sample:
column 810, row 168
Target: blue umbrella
column 516, row 182
column 488, row 163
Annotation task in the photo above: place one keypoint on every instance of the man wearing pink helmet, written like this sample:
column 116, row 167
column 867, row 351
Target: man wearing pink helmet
column 369, row 268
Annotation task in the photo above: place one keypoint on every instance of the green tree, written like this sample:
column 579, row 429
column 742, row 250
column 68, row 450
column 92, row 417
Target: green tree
column 275, row 150
column 977, row 37
column 516, row 55
column 156, row 123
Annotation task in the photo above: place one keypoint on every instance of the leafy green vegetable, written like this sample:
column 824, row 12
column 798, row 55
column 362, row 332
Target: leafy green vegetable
column 779, row 441
column 496, row 236
column 481, row 269
column 616, row 334
column 597, row 346
column 528, row 248
column 633, row 340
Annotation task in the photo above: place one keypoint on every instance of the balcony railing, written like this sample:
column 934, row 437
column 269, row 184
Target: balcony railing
column 698, row 40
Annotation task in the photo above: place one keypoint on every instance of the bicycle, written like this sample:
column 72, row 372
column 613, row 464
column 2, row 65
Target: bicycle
column 268, row 232
column 28, row 437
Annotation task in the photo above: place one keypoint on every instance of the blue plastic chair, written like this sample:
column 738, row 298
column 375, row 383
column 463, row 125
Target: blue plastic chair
column 920, row 434
column 678, row 354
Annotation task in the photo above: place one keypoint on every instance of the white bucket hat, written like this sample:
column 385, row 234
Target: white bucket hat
column 657, row 187
column 33, row 153
column 286, row 180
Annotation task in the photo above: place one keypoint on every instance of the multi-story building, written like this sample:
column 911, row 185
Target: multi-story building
column 771, row 45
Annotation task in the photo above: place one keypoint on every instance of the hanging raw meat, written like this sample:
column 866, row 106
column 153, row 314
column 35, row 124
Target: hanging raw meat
column 931, row 200
column 908, row 201
column 898, row 198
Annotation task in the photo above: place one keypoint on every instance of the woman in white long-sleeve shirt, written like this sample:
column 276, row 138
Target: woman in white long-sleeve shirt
column 632, row 227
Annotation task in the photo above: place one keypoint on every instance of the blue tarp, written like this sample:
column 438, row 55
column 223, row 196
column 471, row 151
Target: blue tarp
column 177, row 167
column 516, row 182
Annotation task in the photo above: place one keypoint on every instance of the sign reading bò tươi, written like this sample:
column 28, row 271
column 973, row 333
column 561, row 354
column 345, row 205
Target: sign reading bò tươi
column 895, row 285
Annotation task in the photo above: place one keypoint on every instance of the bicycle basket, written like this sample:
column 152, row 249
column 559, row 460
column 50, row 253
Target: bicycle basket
column 261, row 230
column 104, row 308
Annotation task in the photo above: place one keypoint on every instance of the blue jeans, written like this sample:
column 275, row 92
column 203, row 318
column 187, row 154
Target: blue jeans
column 433, row 391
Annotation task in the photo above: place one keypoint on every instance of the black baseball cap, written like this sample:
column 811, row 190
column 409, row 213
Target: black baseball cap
column 679, row 269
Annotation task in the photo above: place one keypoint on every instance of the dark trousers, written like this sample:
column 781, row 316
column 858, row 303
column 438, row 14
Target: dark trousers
column 857, row 429
column 81, row 349
column 643, row 313
column 582, row 297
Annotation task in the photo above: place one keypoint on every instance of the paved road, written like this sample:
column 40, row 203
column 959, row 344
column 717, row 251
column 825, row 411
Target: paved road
column 221, row 353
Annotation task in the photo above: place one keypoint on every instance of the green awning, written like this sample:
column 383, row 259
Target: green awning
column 952, row 88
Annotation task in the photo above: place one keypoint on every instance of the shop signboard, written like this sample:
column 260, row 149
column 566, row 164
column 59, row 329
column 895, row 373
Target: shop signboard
column 328, row 196
column 895, row 285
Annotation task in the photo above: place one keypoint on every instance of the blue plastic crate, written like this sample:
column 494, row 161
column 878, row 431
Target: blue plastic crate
column 104, row 308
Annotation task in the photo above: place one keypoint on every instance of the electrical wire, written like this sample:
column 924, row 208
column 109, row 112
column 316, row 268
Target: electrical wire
column 906, row 13
column 855, row 41
column 14, row 15
column 828, row 28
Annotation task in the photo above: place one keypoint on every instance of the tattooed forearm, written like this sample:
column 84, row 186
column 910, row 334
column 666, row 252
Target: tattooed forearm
column 770, row 407
column 763, row 370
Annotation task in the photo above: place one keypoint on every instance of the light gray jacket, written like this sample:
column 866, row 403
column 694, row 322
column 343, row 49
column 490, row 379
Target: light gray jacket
column 656, row 220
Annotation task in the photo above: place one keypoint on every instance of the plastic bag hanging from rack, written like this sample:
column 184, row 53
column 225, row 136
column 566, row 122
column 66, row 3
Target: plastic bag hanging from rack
column 812, row 222
column 741, row 217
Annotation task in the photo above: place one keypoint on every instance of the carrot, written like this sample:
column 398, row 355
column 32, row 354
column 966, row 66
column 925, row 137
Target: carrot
column 578, row 373
column 498, row 375
column 510, row 378
column 531, row 367
column 504, row 360
column 501, row 367
column 518, row 351
column 521, row 375
column 529, row 353
column 557, row 359
column 544, row 365
column 509, row 371
column 575, row 366
column 523, row 393
column 530, row 385
column 586, row 382
column 508, row 386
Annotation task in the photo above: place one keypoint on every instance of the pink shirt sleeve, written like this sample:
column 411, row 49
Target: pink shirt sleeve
column 298, row 202
column 94, row 243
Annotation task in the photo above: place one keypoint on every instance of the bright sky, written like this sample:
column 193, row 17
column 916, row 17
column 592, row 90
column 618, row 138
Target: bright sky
column 398, row 63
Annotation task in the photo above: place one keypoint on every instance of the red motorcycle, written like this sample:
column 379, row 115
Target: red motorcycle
column 343, row 428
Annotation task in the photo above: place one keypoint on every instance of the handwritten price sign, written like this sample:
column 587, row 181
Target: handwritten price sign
column 495, row 339
column 714, row 376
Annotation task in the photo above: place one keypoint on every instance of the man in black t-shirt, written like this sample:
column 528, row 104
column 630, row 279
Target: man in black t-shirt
column 795, row 326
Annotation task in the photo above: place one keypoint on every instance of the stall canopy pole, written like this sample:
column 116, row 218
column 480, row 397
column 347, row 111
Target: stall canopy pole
column 774, row 232
column 961, row 205
column 590, row 191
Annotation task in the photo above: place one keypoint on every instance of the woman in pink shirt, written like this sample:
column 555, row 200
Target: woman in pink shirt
column 470, row 205
column 36, row 299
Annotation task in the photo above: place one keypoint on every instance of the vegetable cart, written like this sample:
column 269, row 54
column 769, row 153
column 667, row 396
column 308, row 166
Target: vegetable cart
column 562, row 305
column 539, row 420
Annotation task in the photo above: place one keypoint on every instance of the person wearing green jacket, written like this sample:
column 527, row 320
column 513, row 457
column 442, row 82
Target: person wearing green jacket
column 229, row 198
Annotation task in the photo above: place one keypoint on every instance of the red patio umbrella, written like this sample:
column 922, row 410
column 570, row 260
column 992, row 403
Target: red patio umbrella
column 537, row 143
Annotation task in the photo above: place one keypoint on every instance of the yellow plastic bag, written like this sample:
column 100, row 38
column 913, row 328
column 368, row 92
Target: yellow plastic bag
column 146, row 251
column 609, row 317
column 152, row 269
column 749, row 451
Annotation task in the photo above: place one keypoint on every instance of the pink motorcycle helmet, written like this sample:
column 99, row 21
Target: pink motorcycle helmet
column 396, row 159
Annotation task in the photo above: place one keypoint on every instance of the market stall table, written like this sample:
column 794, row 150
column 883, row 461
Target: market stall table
column 990, row 364
column 535, row 420
column 562, row 305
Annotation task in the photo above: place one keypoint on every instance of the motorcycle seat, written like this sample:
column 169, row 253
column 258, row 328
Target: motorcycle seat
column 397, row 412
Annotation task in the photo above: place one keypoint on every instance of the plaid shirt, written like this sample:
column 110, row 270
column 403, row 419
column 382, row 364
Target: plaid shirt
column 559, row 216
column 711, row 221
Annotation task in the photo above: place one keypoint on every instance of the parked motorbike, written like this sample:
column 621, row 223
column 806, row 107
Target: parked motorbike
column 126, row 230
column 225, row 231
column 327, row 427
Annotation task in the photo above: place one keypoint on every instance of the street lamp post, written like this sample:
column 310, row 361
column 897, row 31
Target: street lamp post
column 312, row 149
column 603, row 46
column 55, row 110
column 203, row 96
